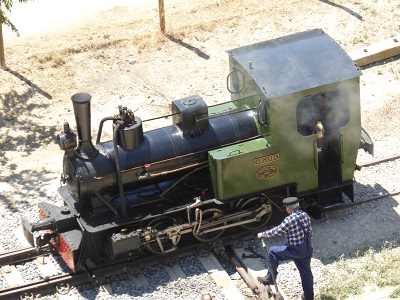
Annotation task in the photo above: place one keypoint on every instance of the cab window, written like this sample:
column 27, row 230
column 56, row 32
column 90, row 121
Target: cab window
column 331, row 109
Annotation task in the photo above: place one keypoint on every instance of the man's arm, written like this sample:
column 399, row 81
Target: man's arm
column 278, row 230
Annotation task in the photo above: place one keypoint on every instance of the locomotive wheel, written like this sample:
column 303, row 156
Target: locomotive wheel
column 255, row 203
column 208, row 216
column 164, row 244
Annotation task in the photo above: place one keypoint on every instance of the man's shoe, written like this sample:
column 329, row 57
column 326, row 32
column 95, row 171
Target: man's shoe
column 265, row 280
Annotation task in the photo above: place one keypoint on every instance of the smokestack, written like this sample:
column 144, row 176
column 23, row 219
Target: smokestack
column 81, row 103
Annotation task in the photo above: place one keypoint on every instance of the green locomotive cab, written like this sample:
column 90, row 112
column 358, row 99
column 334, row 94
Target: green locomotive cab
column 304, row 91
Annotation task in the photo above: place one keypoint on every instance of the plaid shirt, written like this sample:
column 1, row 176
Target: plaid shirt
column 291, row 228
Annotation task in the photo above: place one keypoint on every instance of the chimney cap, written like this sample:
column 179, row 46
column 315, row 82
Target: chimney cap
column 81, row 97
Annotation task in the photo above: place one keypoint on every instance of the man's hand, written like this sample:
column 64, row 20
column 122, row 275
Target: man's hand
column 259, row 235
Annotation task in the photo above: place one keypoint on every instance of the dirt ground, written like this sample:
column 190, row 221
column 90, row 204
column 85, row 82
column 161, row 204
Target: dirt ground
column 120, row 57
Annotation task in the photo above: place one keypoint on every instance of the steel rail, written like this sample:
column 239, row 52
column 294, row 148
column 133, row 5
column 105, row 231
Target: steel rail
column 378, row 161
column 345, row 205
column 23, row 254
column 44, row 286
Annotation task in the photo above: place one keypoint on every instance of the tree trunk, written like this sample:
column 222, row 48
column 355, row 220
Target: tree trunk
column 161, row 14
column 2, row 56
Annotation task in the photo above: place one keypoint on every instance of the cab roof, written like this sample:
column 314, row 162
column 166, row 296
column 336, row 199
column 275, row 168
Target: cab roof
column 295, row 62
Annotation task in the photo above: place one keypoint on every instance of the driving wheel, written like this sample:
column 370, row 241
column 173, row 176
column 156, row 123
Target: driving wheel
column 209, row 216
column 255, row 203
column 162, row 244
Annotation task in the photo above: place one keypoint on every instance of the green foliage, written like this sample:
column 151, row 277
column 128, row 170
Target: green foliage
column 7, row 5
column 377, row 266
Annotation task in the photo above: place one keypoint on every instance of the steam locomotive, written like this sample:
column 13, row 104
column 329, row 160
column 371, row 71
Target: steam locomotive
column 292, row 128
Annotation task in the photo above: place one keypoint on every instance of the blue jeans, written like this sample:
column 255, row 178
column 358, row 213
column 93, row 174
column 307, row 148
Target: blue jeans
column 301, row 258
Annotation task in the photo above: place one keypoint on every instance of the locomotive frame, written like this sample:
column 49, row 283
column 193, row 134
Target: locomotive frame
column 292, row 128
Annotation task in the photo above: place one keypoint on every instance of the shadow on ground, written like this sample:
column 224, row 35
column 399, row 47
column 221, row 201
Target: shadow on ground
column 21, row 133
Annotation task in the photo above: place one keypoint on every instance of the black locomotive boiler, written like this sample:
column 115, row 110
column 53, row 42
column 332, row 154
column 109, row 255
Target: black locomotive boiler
column 292, row 128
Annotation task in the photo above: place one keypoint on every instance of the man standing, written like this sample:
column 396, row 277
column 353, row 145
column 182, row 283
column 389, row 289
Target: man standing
column 297, row 231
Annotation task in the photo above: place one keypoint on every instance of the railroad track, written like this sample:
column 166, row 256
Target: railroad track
column 23, row 254
column 97, row 277
column 379, row 161
column 50, row 281
column 363, row 201
column 346, row 205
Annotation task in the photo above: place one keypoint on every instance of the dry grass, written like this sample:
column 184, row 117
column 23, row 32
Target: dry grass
column 373, row 267
column 207, row 18
column 211, row 22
